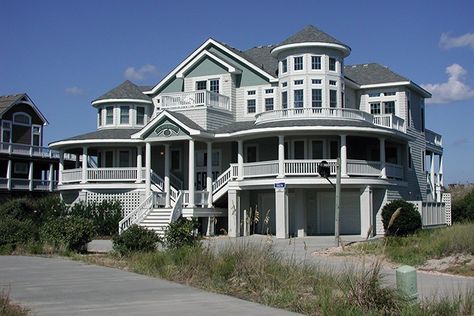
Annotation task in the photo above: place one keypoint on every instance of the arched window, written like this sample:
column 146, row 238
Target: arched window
column 21, row 119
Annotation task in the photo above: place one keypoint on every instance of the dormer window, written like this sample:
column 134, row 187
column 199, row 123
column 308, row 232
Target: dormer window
column 21, row 119
column 389, row 107
column 140, row 115
column 124, row 114
column 298, row 63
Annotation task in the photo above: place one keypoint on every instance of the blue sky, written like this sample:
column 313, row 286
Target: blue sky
column 66, row 53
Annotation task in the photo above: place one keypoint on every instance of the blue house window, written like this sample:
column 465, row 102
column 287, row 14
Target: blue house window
column 298, row 101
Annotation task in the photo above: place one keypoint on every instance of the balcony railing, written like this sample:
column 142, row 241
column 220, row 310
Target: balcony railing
column 27, row 185
column 195, row 99
column 101, row 175
column 433, row 138
column 32, row 151
column 388, row 121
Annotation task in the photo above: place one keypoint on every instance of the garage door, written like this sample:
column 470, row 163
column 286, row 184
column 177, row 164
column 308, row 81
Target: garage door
column 349, row 218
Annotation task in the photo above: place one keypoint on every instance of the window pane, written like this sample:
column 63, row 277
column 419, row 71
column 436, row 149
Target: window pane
column 22, row 119
column 389, row 107
column 317, row 149
column 124, row 158
column 214, row 85
column 316, row 62
column 251, row 106
column 124, row 114
column 298, row 101
column 109, row 118
column 284, row 100
column 268, row 104
column 201, row 85
column 298, row 149
column 284, row 66
column 333, row 98
column 99, row 112
column 298, row 63
column 140, row 115
column 375, row 108
column 316, row 98
column 332, row 64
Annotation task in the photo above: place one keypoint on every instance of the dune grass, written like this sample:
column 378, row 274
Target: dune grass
column 8, row 308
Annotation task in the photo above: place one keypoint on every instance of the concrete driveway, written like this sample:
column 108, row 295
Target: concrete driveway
column 55, row 286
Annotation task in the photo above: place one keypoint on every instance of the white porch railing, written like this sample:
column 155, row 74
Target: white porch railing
column 433, row 138
column 137, row 215
column 311, row 113
column 363, row 167
column 306, row 167
column 101, row 174
column 260, row 169
column 390, row 121
column 200, row 198
column 32, row 151
column 195, row 99
column 222, row 180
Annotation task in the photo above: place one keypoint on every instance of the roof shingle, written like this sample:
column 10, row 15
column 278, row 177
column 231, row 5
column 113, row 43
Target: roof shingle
column 126, row 90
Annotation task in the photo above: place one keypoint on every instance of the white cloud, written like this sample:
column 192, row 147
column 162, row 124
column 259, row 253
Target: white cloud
column 455, row 89
column 74, row 91
column 141, row 73
column 447, row 42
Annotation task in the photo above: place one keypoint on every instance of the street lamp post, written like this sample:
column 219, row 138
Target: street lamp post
column 325, row 171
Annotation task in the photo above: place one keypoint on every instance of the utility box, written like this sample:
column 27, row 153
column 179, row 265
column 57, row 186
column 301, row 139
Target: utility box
column 406, row 282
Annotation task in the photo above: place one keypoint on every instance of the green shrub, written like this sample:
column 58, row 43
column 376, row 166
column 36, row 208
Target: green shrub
column 105, row 215
column 13, row 231
column 71, row 233
column 181, row 233
column 406, row 222
column 50, row 206
column 463, row 209
column 134, row 239
column 20, row 209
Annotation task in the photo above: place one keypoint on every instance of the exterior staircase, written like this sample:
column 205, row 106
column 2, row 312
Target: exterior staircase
column 157, row 220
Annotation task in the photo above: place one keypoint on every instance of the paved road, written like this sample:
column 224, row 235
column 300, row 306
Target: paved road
column 54, row 286
column 303, row 249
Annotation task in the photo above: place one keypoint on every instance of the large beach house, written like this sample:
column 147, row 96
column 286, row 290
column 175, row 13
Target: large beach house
column 234, row 138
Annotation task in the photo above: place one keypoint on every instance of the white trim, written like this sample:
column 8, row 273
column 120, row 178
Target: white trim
column 9, row 129
column 156, row 119
column 230, row 68
column 345, row 49
column 40, row 134
column 196, row 52
column 30, row 103
column 19, row 123
column 121, row 101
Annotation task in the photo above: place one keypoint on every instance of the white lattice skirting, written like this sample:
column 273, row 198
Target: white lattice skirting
column 129, row 200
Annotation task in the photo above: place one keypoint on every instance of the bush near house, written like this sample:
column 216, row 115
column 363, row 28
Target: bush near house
column 135, row 239
column 105, row 215
column 181, row 233
column 463, row 208
column 68, row 233
column 404, row 222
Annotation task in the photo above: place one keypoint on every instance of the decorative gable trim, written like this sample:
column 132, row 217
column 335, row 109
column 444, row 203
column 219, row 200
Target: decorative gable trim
column 30, row 103
column 200, row 57
column 194, row 54
column 154, row 125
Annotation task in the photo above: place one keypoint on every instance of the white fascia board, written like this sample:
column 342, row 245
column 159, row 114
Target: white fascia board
column 120, row 101
column 230, row 68
column 411, row 84
column 157, row 118
column 91, row 141
column 292, row 129
column 345, row 49
column 32, row 104
column 197, row 52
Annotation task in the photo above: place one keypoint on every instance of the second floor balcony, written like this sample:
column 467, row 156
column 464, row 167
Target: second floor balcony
column 200, row 98
column 386, row 120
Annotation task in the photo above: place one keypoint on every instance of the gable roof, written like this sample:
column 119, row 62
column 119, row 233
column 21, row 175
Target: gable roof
column 311, row 34
column 261, row 57
column 373, row 73
column 8, row 101
column 125, row 91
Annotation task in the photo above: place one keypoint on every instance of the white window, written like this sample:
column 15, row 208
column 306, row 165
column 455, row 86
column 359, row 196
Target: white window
column 332, row 82
column 298, row 99
column 20, row 167
column 298, row 82
column 201, row 85
column 284, row 66
column 99, row 116
column 140, row 115
column 391, row 93
column 284, row 84
column 333, row 98
column 332, row 64
column 268, row 104
column 374, row 108
column 316, row 62
column 36, row 135
column 214, row 85
column 389, row 107
column 268, row 91
column 6, row 131
column 109, row 115
column 251, row 106
column 251, row 92
column 284, row 99
column 124, row 114
column 317, row 99
column 298, row 63
column 21, row 119
column 316, row 81
column 374, row 94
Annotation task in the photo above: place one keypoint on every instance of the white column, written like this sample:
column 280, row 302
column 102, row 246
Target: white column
column 209, row 174
column 84, row 164
column 440, row 172
column 147, row 169
column 281, row 213
column 383, row 170
column 366, row 212
column 30, row 176
column 432, row 173
column 240, row 159
column 343, row 156
column 61, row 167
column 51, row 177
column 167, row 176
column 233, row 203
column 9, row 174
column 191, row 173
column 281, row 156
column 139, row 164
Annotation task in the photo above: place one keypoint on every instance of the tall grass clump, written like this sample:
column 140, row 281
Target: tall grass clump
column 8, row 308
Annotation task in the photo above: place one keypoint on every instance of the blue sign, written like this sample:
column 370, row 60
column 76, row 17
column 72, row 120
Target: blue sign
column 280, row 185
